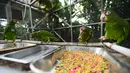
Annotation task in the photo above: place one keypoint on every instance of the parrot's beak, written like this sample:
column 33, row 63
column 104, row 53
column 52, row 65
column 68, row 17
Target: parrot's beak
column 16, row 22
column 81, row 29
column 103, row 17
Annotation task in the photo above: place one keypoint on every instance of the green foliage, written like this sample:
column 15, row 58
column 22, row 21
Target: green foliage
column 50, row 4
column 43, row 35
column 91, row 10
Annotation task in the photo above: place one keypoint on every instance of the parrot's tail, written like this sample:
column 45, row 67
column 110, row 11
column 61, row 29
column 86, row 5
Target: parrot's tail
column 91, row 35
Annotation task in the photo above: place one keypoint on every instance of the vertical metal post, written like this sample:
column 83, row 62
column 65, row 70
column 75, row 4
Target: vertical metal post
column 24, row 13
column 30, row 15
column 8, row 11
column 23, row 19
column 101, row 21
column 71, row 23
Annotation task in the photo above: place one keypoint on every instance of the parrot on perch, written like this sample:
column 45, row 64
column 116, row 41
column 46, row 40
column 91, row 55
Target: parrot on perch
column 116, row 28
column 10, row 31
column 44, row 35
column 85, row 34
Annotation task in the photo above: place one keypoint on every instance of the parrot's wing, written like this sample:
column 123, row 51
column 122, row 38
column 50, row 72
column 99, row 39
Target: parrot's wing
column 88, row 33
column 126, row 27
column 5, row 31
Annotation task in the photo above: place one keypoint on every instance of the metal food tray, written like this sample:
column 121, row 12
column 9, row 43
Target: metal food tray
column 114, row 67
column 29, row 54
column 11, row 46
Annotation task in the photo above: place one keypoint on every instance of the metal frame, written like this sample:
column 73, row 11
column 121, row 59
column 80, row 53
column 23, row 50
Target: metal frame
column 85, row 24
column 101, row 21
column 8, row 11
column 62, row 20
column 30, row 15
column 71, row 29
column 33, row 2
column 69, row 25
column 24, row 12
column 59, row 36
column 41, row 20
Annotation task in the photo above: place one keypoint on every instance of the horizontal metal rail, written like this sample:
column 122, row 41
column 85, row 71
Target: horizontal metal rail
column 90, row 24
column 28, row 5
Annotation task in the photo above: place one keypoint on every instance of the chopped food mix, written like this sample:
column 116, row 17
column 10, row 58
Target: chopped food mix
column 81, row 62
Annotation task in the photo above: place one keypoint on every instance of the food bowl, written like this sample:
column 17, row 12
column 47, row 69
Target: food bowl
column 44, row 65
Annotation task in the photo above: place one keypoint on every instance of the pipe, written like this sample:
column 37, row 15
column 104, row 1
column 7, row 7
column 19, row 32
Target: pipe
column 34, row 1
column 101, row 20
column 30, row 12
column 59, row 36
column 71, row 29
column 85, row 24
column 41, row 20
column 28, row 5
column 120, row 49
column 24, row 13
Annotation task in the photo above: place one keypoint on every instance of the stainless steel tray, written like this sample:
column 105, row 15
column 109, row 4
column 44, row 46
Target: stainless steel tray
column 115, row 65
column 11, row 46
column 29, row 54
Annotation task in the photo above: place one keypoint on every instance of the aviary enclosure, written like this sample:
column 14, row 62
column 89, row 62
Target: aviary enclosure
column 47, row 36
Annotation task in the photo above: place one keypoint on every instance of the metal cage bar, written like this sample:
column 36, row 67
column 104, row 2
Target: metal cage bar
column 101, row 21
column 59, row 36
column 85, row 24
column 71, row 29
column 30, row 12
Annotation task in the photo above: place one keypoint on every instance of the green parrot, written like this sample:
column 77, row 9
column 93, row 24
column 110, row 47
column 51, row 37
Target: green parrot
column 10, row 31
column 85, row 34
column 44, row 35
column 116, row 28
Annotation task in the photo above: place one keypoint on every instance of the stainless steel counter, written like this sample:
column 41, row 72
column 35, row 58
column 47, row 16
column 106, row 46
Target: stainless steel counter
column 117, row 58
